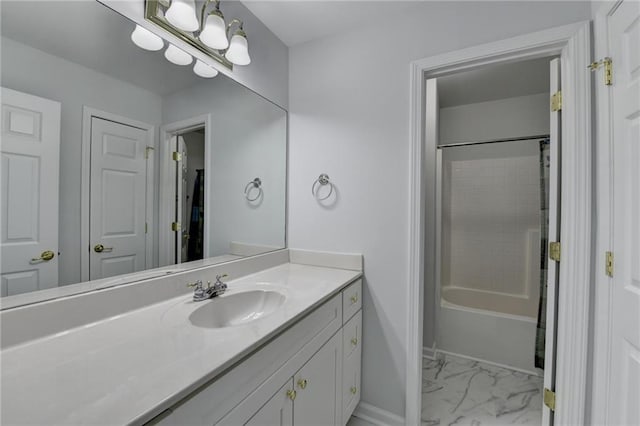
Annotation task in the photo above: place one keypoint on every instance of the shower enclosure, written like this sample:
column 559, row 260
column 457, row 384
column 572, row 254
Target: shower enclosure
column 491, row 259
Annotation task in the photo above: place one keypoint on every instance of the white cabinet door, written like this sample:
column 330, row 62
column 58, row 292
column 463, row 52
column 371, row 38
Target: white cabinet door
column 30, row 168
column 351, row 365
column 624, row 385
column 118, row 199
column 317, row 386
column 278, row 411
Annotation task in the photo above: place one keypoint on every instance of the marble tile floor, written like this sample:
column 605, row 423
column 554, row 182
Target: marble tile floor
column 458, row 391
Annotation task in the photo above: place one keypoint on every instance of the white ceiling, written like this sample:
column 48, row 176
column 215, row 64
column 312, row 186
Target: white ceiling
column 90, row 34
column 299, row 21
column 494, row 82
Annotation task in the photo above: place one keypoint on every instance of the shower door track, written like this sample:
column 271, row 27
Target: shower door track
column 524, row 138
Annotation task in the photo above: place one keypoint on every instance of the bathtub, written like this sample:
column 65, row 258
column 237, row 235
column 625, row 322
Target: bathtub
column 492, row 327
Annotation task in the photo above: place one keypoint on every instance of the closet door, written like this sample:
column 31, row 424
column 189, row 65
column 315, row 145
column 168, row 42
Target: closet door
column 624, row 377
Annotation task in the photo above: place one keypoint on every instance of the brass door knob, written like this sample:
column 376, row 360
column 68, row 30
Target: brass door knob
column 99, row 248
column 354, row 299
column 354, row 390
column 45, row 256
column 291, row 394
column 354, row 341
column 302, row 383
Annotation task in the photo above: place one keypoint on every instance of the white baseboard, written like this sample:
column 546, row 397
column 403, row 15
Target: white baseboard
column 377, row 416
column 429, row 353
column 497, row 364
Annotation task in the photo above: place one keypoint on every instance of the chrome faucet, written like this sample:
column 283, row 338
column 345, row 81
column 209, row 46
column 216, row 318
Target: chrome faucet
column 200, row 293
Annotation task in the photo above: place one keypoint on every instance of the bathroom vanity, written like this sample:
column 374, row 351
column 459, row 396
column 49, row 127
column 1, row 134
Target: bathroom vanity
column 280, row 346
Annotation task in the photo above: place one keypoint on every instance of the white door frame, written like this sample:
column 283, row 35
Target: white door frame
column 572, row 43
column 167, row 195
column 85, row 186
column 604, row 214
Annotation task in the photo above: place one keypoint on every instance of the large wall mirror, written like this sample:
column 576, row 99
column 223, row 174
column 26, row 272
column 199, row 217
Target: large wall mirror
column 116, row 161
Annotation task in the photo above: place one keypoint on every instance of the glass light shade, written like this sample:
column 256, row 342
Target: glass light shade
column 177, row 56
column 238, row 52
column 214, row 33
column 182, row 15
column 145, row 39
column 204, row 70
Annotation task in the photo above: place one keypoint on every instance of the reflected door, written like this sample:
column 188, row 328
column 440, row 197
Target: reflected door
column 117, row 200
column 30, row 170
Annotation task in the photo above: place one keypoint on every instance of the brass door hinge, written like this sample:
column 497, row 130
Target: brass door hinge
column 608, row 69
column 554, row 251
column 608, row 263
column 550, row 399
column 175, row 226
column 147, row 150
column 176, row 156
column 556, row 101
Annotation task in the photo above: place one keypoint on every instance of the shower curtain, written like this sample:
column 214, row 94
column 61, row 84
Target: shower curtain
column 544, row 230
column 196, row 224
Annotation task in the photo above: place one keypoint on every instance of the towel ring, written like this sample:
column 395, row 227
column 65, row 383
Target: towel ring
column 322, row 180
column 256, row 183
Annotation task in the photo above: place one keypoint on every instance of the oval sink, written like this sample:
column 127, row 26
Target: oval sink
column 236, row 309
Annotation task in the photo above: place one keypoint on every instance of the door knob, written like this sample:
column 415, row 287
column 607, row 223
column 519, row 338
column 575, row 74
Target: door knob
column 291, row 394
column 302, row 383
column 45, row 256
column 99, row 248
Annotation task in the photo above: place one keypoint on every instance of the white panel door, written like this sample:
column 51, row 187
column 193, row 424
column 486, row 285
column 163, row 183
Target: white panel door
column 624, row 385
column 553, row 235
column 117, row 199
column 30, row 170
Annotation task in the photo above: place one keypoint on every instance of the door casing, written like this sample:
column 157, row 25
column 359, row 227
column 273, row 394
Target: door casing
column 573, row 44
column 87, row 114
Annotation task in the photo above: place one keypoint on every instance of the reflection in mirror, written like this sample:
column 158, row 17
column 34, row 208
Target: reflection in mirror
column 115, row 160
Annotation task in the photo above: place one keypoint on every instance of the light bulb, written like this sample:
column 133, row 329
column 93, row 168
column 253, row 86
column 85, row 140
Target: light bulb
column 182, row 15
column 214, row 32
column 177, row 56
column 204, row 70
column 238, row 52
column 145, row 39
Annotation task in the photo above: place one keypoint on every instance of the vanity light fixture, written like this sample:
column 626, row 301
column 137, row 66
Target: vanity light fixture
column 177, row 56
column 182, row 15
column 145, row 39
column 203, row 70
column 208, row 34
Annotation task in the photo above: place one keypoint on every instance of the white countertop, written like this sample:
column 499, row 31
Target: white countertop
column 130, row 367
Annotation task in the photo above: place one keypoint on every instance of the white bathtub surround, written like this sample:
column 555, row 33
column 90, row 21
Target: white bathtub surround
column 465, row 392
column 130, row 367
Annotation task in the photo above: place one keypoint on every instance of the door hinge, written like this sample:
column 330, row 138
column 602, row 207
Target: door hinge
column 607, row 63
column 176, row 156
column 554, row 251
column 556, row 101
column 608, row 263
column 550, row 399
column 175, row 226
column 147, row 150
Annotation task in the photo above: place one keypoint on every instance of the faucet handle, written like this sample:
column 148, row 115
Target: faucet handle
column 219, row 277
column 197, row 284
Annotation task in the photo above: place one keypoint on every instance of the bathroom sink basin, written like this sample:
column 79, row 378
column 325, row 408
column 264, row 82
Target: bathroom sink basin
column 236, row 309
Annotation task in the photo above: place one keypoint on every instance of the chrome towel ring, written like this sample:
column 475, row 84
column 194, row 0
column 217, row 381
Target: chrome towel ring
column 322, row 180
column 254, row 184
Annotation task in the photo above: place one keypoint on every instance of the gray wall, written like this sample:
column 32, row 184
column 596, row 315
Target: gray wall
column 74, row 86
column 349, row 117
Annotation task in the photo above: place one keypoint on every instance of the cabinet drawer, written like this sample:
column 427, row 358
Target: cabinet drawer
column 352, row 335
column 351, row 367
column 351, row 300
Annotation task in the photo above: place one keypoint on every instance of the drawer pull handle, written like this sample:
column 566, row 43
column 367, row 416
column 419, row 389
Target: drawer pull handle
column 354, row 390
column 302, row 383
column 291, row 394
column 354, row 299
column 354, row 341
